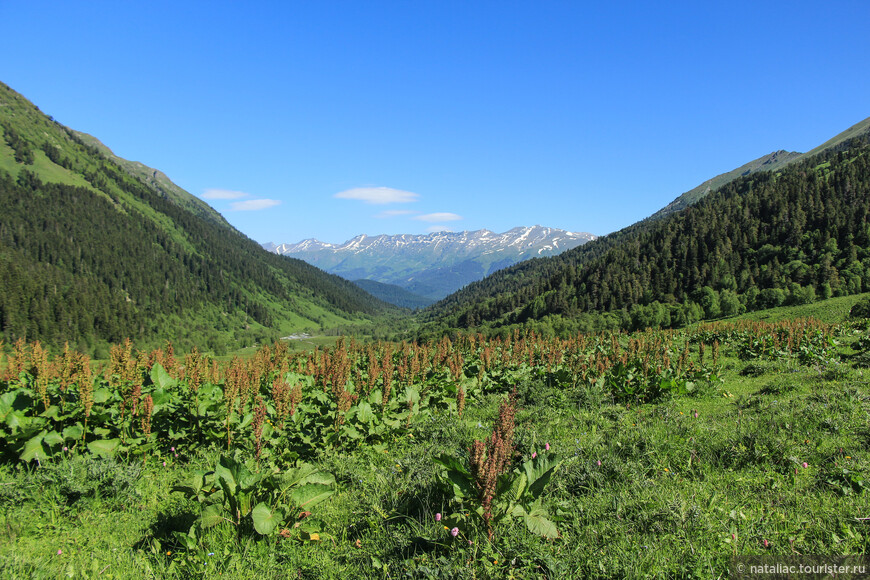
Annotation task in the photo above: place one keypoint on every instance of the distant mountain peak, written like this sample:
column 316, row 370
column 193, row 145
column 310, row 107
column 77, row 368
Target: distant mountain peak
column 436, row 264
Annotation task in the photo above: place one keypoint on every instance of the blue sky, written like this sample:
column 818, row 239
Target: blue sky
column 330, row 119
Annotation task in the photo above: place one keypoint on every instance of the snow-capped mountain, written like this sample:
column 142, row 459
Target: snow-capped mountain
column 432, row 265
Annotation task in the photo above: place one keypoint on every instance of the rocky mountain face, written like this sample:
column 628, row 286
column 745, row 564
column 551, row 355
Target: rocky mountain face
column 432, row 265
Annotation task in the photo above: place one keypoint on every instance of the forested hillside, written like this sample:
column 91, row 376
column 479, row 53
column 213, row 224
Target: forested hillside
column 90, row 253
column 766, row 239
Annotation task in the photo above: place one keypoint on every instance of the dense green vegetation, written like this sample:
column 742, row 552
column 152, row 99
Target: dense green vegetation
column 764, row 240
column 89, row 254
column 653, row 454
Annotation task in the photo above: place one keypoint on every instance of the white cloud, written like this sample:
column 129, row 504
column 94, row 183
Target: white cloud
column 253, row 204
column 378, row 195
column 434, row 229
column 438, row 217
column 223, row 194
column 395, row 213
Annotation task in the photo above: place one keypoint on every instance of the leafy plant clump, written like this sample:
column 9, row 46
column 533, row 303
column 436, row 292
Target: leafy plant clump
column 258, row 501
column 491, row 489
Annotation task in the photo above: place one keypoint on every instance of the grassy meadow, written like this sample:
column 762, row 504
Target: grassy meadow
column 655, row 454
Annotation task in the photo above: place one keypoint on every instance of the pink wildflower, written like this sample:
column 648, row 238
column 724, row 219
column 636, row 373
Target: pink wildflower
column 59, row 552
column 599, row 463
column 547, row 446
column 438, row 517
column 534, row 454
column 765, row 543
column 805, row 464
column 454, row 532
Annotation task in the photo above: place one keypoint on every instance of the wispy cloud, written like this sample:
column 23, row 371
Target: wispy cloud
column 253, row 204
column 438, row 217
column 223, row 194
column 395, row 213
column 378, row 195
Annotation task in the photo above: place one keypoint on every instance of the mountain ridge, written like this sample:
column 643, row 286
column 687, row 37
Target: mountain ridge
column 431, row 265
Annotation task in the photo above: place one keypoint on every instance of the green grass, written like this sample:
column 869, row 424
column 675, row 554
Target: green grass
column 831, row 310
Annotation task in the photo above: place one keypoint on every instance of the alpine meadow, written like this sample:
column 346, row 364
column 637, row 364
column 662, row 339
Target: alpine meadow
column 665, row 401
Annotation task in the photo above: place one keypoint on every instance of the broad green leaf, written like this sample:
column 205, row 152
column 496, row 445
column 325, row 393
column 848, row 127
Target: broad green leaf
column 74, row 432
column 245, row 501
column 411, row 394
column 247, row 480
column 16, row 420
column 517, row 487
column 364, row 412
column 321, row 477
column 160, row 397
column 310, row 494
column 6, row 400
column 225, row 477
column 265, row 520
column 539, row 470
column 451, row 463
column 161, row 378
column 33, row 449
column 102, row 395
column 212, row 515
column 53, row 438
column 538, row 524
column 104, row 447
column 246, row 420
column 351, row 432
column 51, row 413
column 297, row 475
column 197, row 480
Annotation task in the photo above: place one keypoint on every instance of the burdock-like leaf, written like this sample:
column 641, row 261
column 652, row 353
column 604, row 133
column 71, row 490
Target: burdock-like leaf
column 212, row 515
column 33, row 449
column 538, row 472
column 161, row 378
column 517, row 487
column 310, row 494
column 265, row 520
column 225, row 473
column 104, row 447
column 538, row 524
column 73, row 432
column 364, row 412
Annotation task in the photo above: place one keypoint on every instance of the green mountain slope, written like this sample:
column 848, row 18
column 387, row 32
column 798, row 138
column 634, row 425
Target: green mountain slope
column 761, row 240
column 91, row 253
column 157, row 181
column 768, row 162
